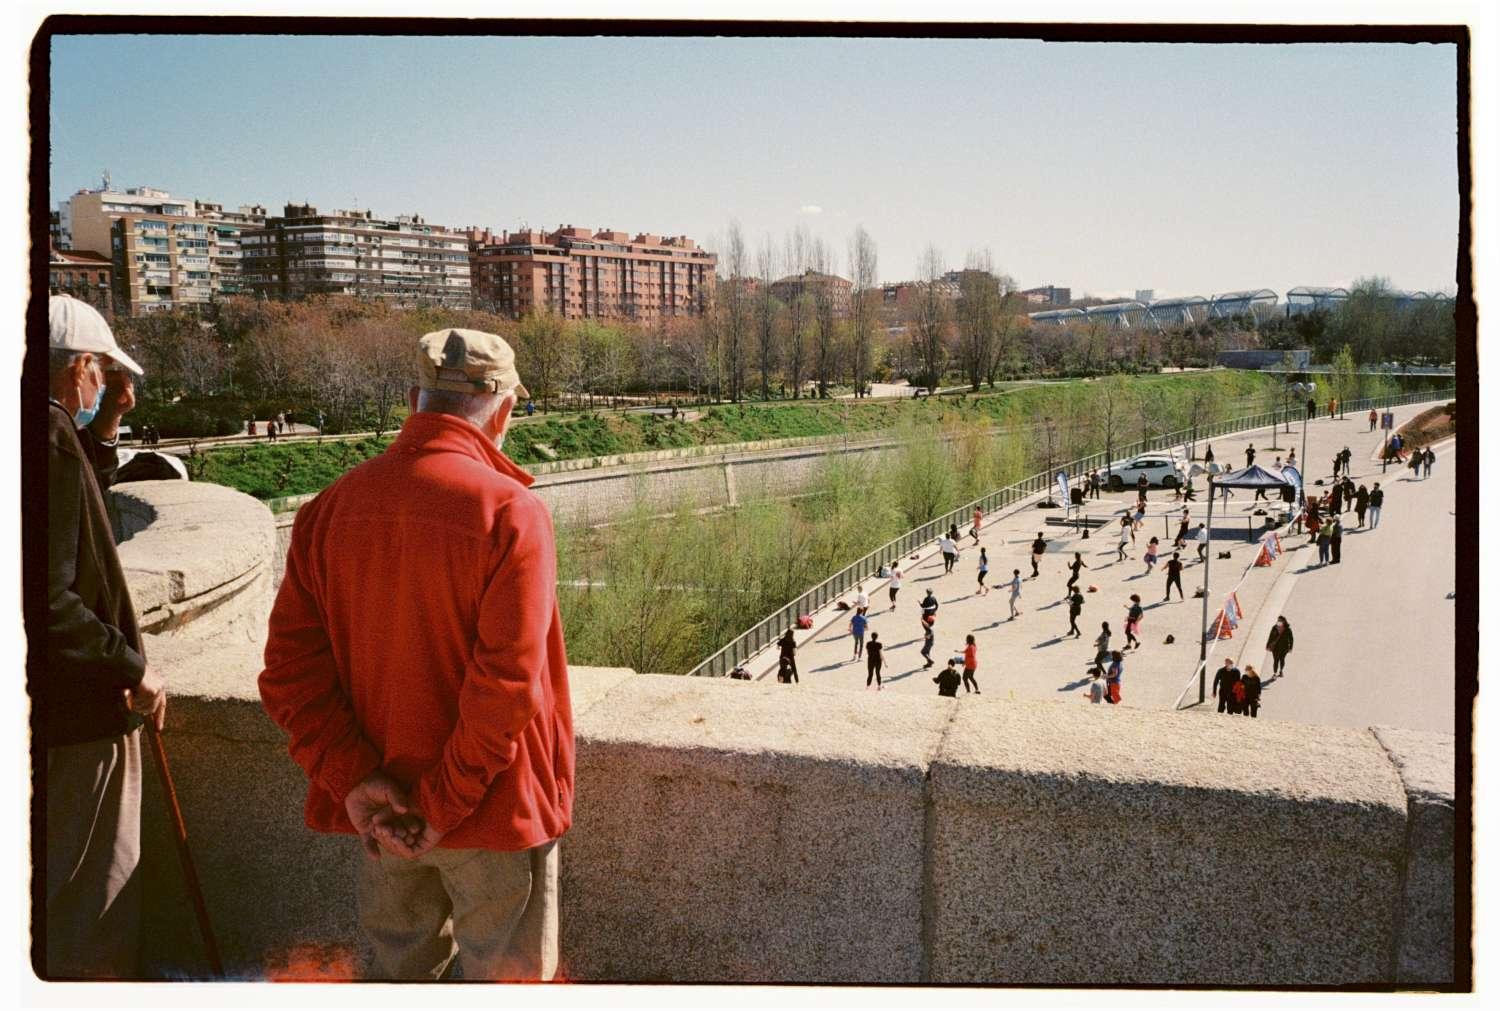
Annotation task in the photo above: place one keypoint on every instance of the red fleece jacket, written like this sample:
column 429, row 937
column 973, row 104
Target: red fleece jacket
column 417, row 631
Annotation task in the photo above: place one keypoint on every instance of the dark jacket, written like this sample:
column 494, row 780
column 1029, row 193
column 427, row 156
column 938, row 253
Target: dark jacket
column 93, row 649
column 1226, row 680
column 788, row 644
column 948, row 681
column 1361, row 500
column 1279, row 642
column 1252, row 688
column 1377, row 497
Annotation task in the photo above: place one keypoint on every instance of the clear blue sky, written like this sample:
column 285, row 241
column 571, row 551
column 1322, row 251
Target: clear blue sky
column 1106, row 167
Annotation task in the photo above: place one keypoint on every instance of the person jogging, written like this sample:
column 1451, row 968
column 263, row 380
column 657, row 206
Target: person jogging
column 1125, row 533
column 1038, row 548
column 857, row 626
column 874, row 659
column 1279, row 644
column 1133, row 622
column 1015, row 592
column 895, row 585
column 978, row 519
column 950, row 552
column 1174, row 576
column 1377, row 499
column 1075, row 608
column 927, row 639
column 1152, row 549
column 1076, row 566
column 984, row 570
column 971, row 664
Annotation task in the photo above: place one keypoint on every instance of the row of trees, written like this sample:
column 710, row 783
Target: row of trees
column 1374, row 325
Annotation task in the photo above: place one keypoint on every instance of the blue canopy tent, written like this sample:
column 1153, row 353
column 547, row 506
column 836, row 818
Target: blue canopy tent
column 1251, row 477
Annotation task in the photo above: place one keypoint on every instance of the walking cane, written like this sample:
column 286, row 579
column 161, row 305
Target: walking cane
column 184, row 855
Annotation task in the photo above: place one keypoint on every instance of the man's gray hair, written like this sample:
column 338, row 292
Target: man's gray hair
column 476, row 408
column 59, row 359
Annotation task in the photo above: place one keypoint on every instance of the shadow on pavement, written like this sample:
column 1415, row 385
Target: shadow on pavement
column 1051, row 642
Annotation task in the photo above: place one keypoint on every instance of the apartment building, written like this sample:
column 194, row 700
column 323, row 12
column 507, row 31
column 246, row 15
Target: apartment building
column 87, row 276
column 811, row 282
column 1049, row 295
column 166, row 251
column 580, row 273
column 404, row 260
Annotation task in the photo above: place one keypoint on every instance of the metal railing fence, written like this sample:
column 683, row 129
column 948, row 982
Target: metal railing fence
column 769, row 629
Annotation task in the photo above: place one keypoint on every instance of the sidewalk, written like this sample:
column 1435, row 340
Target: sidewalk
column 1032, row 657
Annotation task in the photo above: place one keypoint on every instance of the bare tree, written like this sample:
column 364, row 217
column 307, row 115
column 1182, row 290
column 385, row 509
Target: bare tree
column 799, row 308
column 862, row 270
column 928, row 318
column 543, row 355
column 819, row 286
column 733, row 306
column 978, row 317
column 1115, row 404
column 766, row 311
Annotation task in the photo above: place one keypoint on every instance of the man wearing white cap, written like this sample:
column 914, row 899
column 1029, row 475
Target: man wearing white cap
column 415, row 658
column 91, row 685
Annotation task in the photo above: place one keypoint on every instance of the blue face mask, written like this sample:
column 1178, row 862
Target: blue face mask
column 86, row 414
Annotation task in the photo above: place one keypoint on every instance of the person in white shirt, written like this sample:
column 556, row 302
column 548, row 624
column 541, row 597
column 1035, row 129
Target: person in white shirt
column 861, row 599
column 1015, row 592
column 895, row 587
column 949, row 548
column 1202, row 542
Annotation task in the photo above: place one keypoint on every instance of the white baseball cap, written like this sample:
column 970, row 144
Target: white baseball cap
column 77, row 326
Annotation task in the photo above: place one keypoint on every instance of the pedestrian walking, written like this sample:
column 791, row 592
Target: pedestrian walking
column 1137, row 520
column 1208, row 456
column 1312, row 408
column 953, row 534
column 1332, row 405
column 1015, row 592
column 1336, row 538
column 947, row 681
column 1141, row 486
column 1133, row 622
column 1338, row 461
column 1250, row 455
column 1377, row 499
column 1202, row 542
column 978, row 519
column 1180, row 541
column 1076, row 566
column 927, row 639
column 949, row 549
column 1113, row 679
column 1096, row 484
column 874, row 659
column 1349, row 492
column 1151, row 551
column 971, row 664
column 1225, row 680
column 1101, row 644
column 1279, row 644
column 929, row 605
column 1075, row 608
column 1373, row 418
column 984, row 570
column 1174, row 576
column 1338, row 497
column 1038, row 548
column 787, row 674
column 1323, row 537
column 1361, row 503
column 1428, row 459
column 1348, row 455
column 895, row 584
column 436, row 726
column 857, row 626
column 1250, row 684
column 1125, row 535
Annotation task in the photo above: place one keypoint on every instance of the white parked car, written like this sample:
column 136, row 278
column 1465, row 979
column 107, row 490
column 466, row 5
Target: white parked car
column 1163, row 470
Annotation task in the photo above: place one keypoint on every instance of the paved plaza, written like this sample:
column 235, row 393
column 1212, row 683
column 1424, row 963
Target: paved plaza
column 1374, row 634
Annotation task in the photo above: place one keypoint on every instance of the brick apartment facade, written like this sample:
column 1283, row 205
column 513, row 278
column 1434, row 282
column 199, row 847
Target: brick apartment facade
column 403, row 260
column 811, row 282
column 85, row 275
column 579, row 273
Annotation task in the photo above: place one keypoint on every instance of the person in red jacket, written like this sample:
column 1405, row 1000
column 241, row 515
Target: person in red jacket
column 415, row 657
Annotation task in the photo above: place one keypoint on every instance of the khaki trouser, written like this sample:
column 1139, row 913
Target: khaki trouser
column 496, row 911
column 93, row 888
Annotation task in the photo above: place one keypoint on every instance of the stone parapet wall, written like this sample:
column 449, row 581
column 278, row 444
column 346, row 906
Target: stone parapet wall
column 740, row 831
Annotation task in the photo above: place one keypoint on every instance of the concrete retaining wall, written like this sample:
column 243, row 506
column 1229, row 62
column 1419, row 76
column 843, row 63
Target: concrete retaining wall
column 742, row 831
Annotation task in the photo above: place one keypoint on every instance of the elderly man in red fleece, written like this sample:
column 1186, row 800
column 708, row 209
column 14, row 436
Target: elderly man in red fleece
column 415, row 657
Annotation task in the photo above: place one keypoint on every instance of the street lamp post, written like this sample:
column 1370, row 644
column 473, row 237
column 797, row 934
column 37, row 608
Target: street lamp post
column 1203, row 636
column 1304, row 389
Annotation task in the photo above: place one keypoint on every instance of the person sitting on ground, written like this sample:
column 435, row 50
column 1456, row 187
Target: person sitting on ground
column 948, row 680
